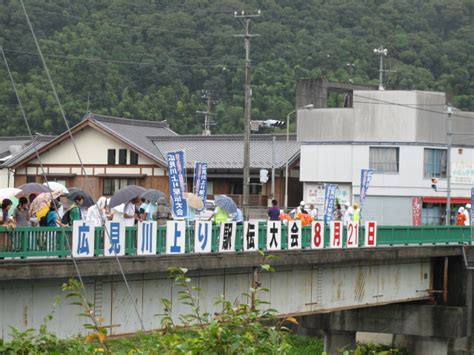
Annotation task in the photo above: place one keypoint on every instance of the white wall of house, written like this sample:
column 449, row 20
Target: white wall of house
column 6, row 178
column 92, row 146
column 341, row 164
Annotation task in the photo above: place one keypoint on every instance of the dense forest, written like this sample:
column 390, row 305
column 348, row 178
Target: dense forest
column 151, row 59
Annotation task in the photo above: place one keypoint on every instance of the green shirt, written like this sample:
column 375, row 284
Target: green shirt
column 221, row 216
column 75, row 214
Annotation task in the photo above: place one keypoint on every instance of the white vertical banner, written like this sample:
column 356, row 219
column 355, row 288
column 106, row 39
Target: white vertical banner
column 250, row 236
column 370, row 234
column 83, row 238
column 202, row 236
column 146, row 238
column 335, row 234
column 227, row 236
column 317, row 235
column 175, row 237
column 273, row 235
column 352, row 240
column 114, row 238
column 294, row 235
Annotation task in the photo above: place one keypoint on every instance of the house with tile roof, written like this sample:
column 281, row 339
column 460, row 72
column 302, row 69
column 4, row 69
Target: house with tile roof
column 116, row 152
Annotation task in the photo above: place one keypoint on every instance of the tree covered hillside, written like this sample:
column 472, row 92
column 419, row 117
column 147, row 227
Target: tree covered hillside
column 150, row 59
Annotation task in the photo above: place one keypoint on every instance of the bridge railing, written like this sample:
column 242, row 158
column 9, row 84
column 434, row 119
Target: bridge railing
column 34, row 242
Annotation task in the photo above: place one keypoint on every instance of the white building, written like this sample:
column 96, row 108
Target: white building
column 400, row 134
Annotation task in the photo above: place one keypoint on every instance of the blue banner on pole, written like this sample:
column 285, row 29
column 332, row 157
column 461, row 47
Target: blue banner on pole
column 177, row 181
column 200, row 181
column 472, row 204
column 329, row 202
column 365, row 177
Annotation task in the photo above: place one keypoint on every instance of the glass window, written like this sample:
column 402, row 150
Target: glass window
column 110, row 186
column 384, row 159
column 122, row 156
column 435, row 163
column 111, row 156
column 133, row 158
column 30, row 178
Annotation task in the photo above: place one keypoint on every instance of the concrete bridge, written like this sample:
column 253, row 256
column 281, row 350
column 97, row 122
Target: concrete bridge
column 416, row 284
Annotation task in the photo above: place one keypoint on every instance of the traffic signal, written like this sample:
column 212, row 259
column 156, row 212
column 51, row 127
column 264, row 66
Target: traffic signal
column 434, row 184
column 263, row 176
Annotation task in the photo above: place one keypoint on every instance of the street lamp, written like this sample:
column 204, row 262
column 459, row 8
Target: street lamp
column 381, row 51
column 306, row 107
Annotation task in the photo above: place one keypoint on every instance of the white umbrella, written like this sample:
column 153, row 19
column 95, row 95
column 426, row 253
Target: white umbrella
column 8, row 192
column 56, row 186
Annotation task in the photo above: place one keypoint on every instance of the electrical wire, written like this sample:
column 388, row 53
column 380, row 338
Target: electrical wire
column 43, row 173
column 106, row 232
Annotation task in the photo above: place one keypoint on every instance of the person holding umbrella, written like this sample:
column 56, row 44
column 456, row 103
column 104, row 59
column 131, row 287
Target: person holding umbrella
column 96, row 213
column 75, row 212
column 129, row 212
column 21, row 214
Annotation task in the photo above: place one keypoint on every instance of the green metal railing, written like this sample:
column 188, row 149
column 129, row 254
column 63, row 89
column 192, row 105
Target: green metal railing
column 30, row 242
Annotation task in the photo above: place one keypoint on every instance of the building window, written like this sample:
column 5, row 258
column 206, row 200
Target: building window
column 133, row 158
column 30, row 178
column 122, row 156
column 384, row 159
column 111, row 156
column 435, row 163
column 110, row 186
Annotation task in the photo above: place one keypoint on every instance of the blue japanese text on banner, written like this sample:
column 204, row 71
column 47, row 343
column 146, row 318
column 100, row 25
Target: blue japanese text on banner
column 365, row 177
column 472, row 204
column 177, row 181
column 200, row 181
column 329, row 201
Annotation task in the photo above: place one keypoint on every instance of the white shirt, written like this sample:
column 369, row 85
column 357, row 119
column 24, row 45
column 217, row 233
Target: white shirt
column 129, row 210
column 96, row 216
column 467, row 222
column 348, row 215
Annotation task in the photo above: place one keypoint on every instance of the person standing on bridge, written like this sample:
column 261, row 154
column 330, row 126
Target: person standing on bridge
column 274, row 212
column 467, row 213
column 356, row 216
column 461, row 217
column 349, row 213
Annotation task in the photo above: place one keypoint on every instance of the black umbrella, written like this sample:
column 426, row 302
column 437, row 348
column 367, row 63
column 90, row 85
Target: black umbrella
column 126, row 194
column 88, row 200
column 152, row 195
column 33, row 188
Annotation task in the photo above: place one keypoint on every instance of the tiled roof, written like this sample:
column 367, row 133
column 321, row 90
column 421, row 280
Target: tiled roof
column 227, row 151
column 39, row 141
column 7, row 142
column 134, row 132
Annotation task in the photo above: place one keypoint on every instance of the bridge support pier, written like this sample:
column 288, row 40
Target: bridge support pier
column 335, row 341
column 422, row 345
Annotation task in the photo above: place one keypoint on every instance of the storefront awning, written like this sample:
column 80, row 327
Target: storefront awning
column 443, row 200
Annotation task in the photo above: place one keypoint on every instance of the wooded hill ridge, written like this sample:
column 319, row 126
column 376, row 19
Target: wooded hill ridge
column 150, row 59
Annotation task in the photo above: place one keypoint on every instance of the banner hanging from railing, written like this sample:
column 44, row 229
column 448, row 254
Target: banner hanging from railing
column 200, row 181
column 177, row 183
column 329, row 201
column 365, row 177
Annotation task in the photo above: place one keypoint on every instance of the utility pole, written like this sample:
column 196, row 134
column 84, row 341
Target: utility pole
column 207, row 95
column 381, row 51
column 273, row 167
column 245, row 19
column 448, row 163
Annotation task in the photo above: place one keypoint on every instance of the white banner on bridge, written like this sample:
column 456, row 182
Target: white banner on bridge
column 227, row 236
column 294, row 235
column 250, row 236
column 202, row 236
column 274, row 235
column 317, row 235
column 352, row 240
column 114, row 238
column 335, row 234
column 83, row 238
column 146, row 238
column 370, row 234
column 175, row 237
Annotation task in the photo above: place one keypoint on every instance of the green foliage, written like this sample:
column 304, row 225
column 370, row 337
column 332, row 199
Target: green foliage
column 150, row 59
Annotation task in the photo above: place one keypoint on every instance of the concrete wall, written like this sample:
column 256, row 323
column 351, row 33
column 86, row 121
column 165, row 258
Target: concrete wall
column 297, row 289
column 385, row 116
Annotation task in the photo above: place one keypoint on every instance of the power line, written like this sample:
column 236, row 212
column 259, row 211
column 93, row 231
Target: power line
column 78, row 155
column 125, row 62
